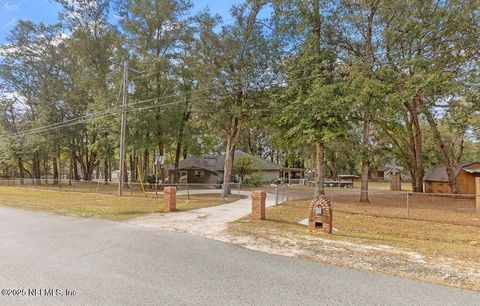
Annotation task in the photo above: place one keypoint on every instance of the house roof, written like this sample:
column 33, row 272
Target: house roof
column 439, row 173
column 216, row 163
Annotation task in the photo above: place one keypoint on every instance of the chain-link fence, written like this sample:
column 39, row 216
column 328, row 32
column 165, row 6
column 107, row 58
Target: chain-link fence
column 111, row 188
column 443, row 208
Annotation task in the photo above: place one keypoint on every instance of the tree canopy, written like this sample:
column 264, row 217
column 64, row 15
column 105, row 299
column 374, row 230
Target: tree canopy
column 337, row 87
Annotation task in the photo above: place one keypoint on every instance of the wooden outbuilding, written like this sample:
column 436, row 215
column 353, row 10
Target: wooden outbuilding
column 436, row 179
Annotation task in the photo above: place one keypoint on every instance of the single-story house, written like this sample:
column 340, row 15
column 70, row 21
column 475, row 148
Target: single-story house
column 436, row 179
column 209, row 169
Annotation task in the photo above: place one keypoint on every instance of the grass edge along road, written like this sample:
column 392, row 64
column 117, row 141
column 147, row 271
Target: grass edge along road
column 439, row 253
column 87, row 205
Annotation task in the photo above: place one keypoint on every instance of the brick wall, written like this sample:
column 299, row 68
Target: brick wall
column 320, row 222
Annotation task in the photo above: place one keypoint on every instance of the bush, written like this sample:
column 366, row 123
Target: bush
column 254, row 181
column 150, row 179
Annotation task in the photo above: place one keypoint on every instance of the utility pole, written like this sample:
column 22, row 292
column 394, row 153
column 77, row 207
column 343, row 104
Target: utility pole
column 122, row 128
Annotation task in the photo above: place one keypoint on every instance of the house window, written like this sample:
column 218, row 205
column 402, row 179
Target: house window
column 198, row 173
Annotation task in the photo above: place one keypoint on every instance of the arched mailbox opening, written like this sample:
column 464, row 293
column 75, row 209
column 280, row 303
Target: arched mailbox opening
column 320, row 215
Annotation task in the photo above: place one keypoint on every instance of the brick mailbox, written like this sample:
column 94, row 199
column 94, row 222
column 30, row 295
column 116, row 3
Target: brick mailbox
column 320, row 215
column 258, row 204
column 170, row 199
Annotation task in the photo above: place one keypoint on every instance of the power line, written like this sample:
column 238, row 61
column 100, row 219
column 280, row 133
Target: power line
column 107, row 111
column 111, row 112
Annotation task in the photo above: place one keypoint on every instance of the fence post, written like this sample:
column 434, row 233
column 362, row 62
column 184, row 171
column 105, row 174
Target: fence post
column 276, row 194
column 477, row 194
column 408, row 205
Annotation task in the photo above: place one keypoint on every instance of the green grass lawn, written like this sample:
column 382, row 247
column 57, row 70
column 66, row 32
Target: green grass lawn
column 88, row 205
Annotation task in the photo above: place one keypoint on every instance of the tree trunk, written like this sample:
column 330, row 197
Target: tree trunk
column 125, row 173
column 137, row 162
column 227, row 170
column 110, row 169
column 36, row 167
column 415, row 144
column 20, row 169
column 181, row 135
column 97, row 171
column 56, row 166
column 418, row 154
column 233, row 133
column 447, row 160
column 45, row 168
column 366, row 105
column 458, row 157
column 185, row 151
column 365, row 162
column 178, row 151
column 55, row 170
column 161, row 150
column 146, row 159
column 320, row 164
column 250, row 144
column 132, row 167
column 105, row 171
column 76, row 175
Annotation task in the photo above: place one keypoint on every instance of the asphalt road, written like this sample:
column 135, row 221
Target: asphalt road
column 108, row 263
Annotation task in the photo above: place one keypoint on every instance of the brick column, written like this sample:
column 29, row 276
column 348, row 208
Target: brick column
column 477, row 194
column 258, row 204
column 170, row 199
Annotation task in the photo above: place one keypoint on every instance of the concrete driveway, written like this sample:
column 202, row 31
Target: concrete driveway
column 109, row 263
column 207, row 222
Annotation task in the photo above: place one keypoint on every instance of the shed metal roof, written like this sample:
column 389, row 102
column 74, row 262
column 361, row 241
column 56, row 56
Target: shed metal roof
column 439, row 173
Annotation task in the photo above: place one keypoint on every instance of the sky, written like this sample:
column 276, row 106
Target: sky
column 46, row 11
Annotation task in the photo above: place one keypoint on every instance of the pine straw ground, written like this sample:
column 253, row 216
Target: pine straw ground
column 88, row 205
column 436, row 252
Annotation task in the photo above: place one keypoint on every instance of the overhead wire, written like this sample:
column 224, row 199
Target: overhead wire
column 116, row 109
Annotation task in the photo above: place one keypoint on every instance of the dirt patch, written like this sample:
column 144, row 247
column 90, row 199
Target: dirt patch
column 374, row 258
column 429, row 251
